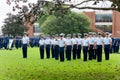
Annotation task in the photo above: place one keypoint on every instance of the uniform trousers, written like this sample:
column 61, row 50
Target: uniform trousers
column 17, row 45
column 61, row 54
column 85, row 52
column 48, row 51
column 106, row 50
column 52, row 51
column 41, row 51
column 91, row 51
column 99, row 53
column 56, row 51
column 79, row 52
column 24, row 50
column 68, row 52
column 74, row 51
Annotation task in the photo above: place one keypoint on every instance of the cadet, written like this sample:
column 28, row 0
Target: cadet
column 61, row 43
column 91, row 43
column 52, row 46
column 85, row 45
column 94, row 48
column 99, row 44
column 74, row 46
column 25, row 42
column 56, row 47
column 107, row 44
column 47, row 45
column 79, row 42
column 68, row 44
column 41, row 47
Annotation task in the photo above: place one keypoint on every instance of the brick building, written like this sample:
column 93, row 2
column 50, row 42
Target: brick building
column 100, row 21
column 105, row 22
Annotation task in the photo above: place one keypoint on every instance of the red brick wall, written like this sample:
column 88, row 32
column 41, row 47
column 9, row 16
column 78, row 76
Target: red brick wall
column 116, row 24
column 91, row 15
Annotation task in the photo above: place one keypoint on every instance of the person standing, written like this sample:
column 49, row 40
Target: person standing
column 99, row 44
column 41, row 47
column 94, row 36
column 61, row 43
column 56, row 47
column 85, row 45
column 25, row 43
column 91, row 43
column 52, row 46
column 74, row 46
column 47, row 45
column 79, row 42
column 68, row 44
column 107, row 44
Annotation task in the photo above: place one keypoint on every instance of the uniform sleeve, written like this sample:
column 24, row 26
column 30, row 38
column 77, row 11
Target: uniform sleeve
column 110, row 40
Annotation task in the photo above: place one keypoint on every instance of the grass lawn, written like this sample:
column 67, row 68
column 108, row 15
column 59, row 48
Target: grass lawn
column 14, row 67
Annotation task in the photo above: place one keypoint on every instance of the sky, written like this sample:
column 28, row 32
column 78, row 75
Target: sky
column 5, row 8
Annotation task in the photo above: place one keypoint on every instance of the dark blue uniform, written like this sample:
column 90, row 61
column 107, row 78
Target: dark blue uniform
column 107, row 44
column 91, row 46
column 68, row 43
column 5, row 42
column 61, row 43
column 79, row 43
column 85, row 44
column 1, row 42
column 74, row 41
column 48, row 43
column 17, row 43
column 41, row 48
column 99, row 43
column 25, row 41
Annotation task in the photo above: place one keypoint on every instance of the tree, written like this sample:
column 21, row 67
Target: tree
column 70, row 23
column 13, row 26
column 35, row 10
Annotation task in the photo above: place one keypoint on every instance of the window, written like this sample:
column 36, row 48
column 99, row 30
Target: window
column 105, row 28
column 103, row 17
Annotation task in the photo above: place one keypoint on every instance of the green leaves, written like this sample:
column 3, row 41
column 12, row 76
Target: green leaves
column 13, row 26
column 69, row 23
